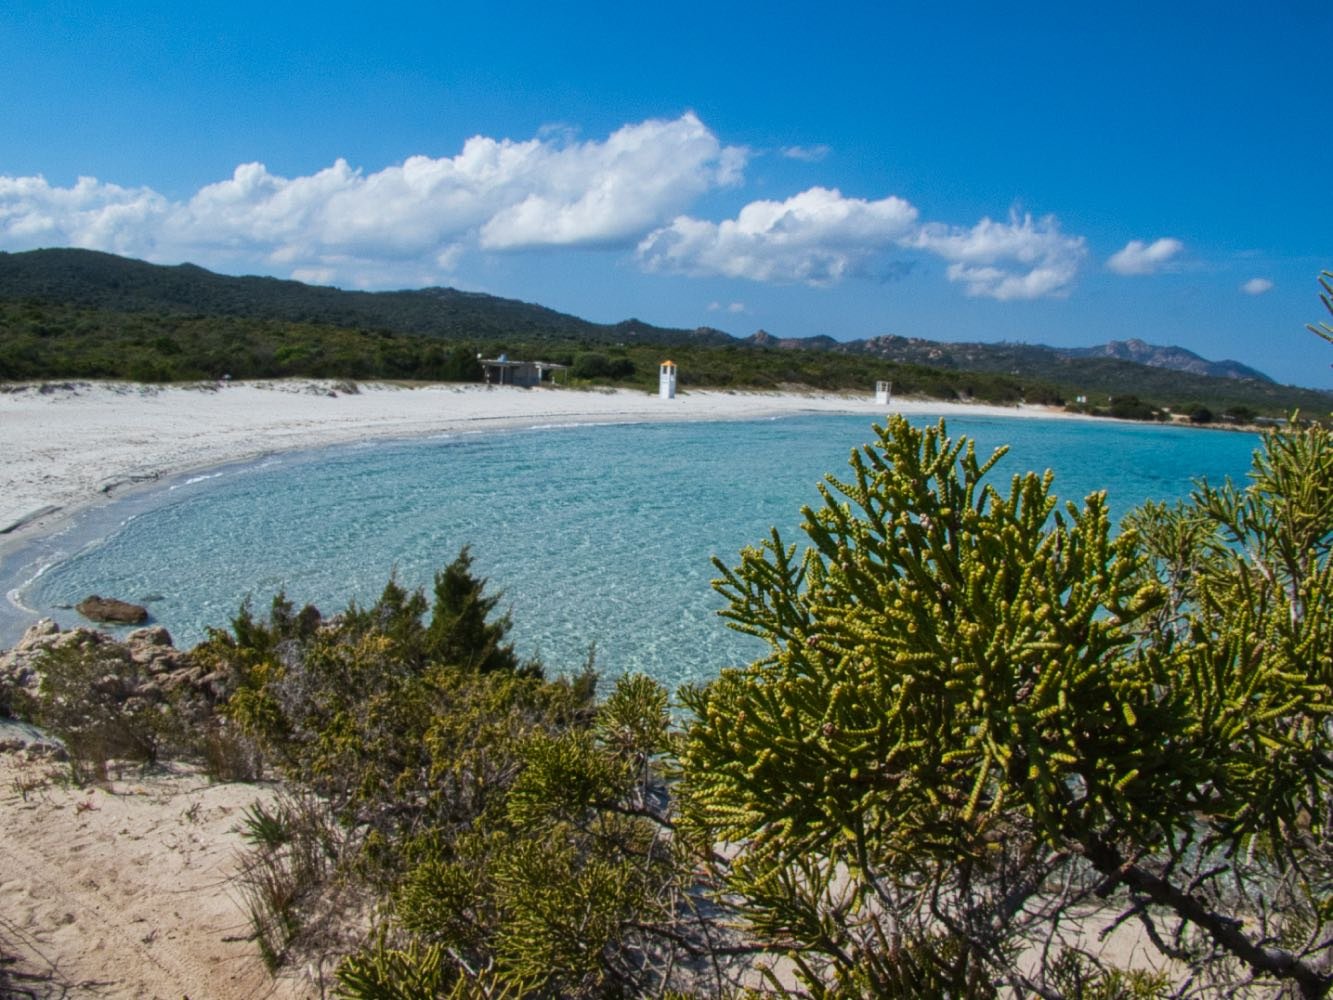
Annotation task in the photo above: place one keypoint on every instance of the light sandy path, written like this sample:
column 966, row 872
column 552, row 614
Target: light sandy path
column 124, row 890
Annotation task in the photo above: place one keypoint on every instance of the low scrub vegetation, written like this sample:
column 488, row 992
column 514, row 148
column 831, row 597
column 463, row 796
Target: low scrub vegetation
column 55, row 340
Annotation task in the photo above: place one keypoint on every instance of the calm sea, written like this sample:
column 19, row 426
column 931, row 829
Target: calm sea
column 595, row 534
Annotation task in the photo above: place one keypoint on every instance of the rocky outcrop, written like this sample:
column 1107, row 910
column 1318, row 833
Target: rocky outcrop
column 1173, row 358
column 144, row 665
column 111, row 611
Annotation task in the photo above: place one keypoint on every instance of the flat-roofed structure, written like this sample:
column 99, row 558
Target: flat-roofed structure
column 502, row 371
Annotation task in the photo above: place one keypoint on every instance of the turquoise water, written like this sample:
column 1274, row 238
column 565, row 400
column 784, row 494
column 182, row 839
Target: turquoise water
column 595, row 534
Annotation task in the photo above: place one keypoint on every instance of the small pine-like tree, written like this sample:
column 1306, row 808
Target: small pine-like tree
column 462, row 631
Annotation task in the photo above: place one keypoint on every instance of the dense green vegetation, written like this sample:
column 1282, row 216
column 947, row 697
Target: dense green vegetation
column 516, row 829
column 44, row 341
column 79, row 314
column 104, row 282
column 984, row 716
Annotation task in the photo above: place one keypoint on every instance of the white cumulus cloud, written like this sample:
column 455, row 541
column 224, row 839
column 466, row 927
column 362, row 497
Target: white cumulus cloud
column 816, row 237
column 806, row 154
column 1138, row 257
column 612, row 191
column 89, row 214
column 1023, row 258
column 820, row 236
column 1257, row 286
column 412, row 220
column 413, row 223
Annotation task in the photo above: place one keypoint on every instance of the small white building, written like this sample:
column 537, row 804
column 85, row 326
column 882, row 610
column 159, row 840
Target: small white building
column 666, row 380
column 502, row 371
column 883, row 393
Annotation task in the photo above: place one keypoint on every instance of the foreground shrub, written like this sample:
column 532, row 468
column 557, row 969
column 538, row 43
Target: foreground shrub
column 93, row 696
column 295, row 847
column 571, row 886
column 519, row 834
column 983, row 718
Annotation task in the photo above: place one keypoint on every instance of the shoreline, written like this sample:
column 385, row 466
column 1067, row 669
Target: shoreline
column 71, row 446
column 80, row 451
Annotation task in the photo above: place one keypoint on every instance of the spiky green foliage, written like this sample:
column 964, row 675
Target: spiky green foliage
column 405, row 726
column 1323, row 329
column 981, row 711
column 517, row 836
column 462, row 630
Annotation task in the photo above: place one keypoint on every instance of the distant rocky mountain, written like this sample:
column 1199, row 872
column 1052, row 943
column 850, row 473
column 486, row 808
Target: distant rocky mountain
column 1014, row 358
column 1175, row 358
column 762, row 338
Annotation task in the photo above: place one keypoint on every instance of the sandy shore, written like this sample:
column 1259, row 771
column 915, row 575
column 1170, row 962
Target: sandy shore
column 68, row 445
column 126, row 888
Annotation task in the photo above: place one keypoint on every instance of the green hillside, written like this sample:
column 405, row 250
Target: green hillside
column 102, row 281
column 67, row 313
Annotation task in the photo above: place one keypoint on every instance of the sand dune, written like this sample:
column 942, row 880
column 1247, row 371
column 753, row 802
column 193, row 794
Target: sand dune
column 124, row 889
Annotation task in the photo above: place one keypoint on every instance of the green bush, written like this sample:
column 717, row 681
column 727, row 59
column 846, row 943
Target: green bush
column 593, row 365
column 1132, row 408
column 514, row 826
column 981, row 715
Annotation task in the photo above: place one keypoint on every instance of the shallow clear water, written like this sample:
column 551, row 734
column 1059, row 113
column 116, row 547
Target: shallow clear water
column 595, row 534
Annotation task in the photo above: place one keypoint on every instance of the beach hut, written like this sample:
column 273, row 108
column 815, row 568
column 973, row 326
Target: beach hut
column 666, row 380
column 502, row 371
column 883, row 393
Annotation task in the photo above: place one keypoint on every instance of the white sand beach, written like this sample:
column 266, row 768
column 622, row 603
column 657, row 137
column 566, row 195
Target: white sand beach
column 67, row 445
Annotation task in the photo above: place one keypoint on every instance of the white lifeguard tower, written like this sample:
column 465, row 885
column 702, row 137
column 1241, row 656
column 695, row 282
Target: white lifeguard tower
column 883, row 393
column 666, row 380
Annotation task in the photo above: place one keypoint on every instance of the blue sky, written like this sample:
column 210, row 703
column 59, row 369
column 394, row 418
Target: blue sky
column 1052, row 173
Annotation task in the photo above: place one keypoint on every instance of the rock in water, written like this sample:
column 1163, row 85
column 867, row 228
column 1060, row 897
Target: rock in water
column 109, row 609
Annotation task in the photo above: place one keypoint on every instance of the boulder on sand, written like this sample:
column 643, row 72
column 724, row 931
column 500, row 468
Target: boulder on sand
column 109, row 609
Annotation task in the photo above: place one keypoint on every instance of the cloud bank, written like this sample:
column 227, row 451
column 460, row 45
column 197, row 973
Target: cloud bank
column 1019, row 259
column 816, row 237
column 496, row 194
column 414, row 222
column 820, row 236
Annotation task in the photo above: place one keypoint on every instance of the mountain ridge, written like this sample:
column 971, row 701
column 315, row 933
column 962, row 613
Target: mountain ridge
column 918, row 350
column 93, row 279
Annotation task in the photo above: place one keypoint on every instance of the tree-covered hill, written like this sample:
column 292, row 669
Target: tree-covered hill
column 1105, row 374
column 103, row 281
column 1012, row 357
column 79, row 313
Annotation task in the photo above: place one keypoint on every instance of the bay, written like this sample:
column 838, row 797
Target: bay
column 597, row 535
